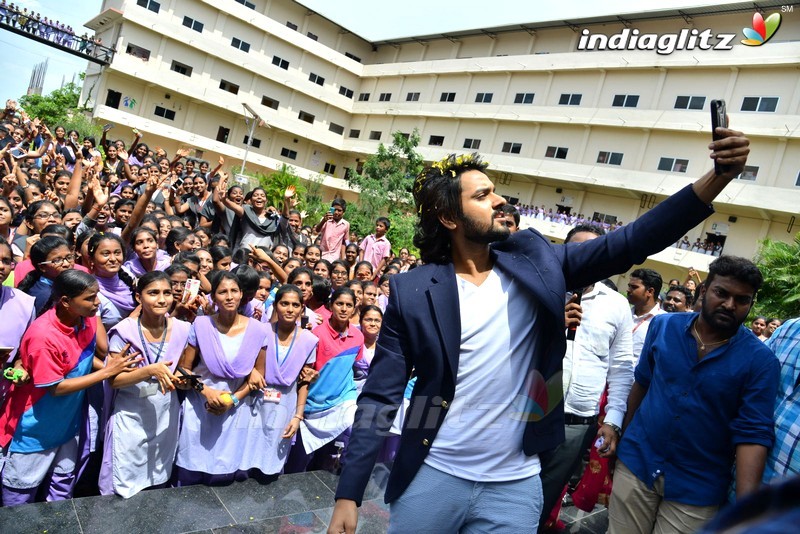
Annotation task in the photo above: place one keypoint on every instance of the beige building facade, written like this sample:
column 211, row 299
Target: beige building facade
column 608, row 132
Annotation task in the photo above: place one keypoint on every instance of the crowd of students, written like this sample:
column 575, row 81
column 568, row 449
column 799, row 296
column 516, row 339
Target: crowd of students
column 164, row 327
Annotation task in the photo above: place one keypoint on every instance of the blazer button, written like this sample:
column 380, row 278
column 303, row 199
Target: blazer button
column 426, row 442
column 445, row 404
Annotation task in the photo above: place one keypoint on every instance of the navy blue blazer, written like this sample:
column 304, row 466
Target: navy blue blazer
column 421, row 330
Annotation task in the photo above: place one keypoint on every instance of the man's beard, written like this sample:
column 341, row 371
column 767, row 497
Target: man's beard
column 712, row 318
column 475, row 233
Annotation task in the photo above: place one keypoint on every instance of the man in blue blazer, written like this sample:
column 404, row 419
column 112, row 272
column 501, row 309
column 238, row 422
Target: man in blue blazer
column 481, row 326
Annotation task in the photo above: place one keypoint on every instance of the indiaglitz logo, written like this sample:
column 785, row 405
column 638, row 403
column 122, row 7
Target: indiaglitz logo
column 762, row 30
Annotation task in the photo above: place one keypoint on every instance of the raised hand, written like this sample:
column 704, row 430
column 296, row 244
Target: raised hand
column 122, row 361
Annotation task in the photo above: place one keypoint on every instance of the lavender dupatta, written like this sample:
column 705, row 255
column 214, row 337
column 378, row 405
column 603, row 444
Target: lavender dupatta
column 287, row 373
column 128, row 330
column 228, row 366
column 118, row 292
column 136, row 269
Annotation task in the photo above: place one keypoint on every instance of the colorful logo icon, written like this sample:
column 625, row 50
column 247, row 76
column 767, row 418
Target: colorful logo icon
column 762, row 30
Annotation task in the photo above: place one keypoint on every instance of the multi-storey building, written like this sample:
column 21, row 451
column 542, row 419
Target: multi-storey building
column 598, row 132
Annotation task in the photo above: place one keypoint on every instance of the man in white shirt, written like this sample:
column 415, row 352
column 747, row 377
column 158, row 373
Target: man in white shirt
column 601, row 353
column 643, row 290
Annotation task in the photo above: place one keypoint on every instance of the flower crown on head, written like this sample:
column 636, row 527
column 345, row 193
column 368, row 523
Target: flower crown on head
column 453, row 162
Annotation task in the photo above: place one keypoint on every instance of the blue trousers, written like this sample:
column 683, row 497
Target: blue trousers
column 436, row 502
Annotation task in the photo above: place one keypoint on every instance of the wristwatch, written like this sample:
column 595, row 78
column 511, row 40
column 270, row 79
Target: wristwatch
column 614, row 427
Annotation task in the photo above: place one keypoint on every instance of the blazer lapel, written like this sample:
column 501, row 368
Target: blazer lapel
column 443, row 295
column 527, row 273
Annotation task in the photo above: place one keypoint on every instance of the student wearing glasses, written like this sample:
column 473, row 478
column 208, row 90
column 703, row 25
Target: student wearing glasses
column 50, row 256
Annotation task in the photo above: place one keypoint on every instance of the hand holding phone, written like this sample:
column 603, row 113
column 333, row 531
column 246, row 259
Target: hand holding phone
column 719, row 118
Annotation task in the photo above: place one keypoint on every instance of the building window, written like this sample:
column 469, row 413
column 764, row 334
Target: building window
column 344, row 91
column 269, row 102
column 557, row 152
column 412, row 97
column 690, row 102
column 291, row 25
column 749, row 173
column 222, row 134
column 384, row 97
column 113, row 98
column 255, row 144
column 290, row 154
column 436, row 140
column 307, row 117
column 447, row 97
column 241, row 45
column 180, row 68
column 512, row 148
column 164, row 113
column 484, row 98
column 570, row 99
column 196, row 25
column 524, row 98
column 673, row 164
column 610, row 158
column 363, row 97
column 225, row 85
column 336, row 128
column 625, row 101
column 797, row 180
column 351, row 56
column 767, row 104
column 354, row 134
column 473, row 144
column 312, row 36
column 245, row 3
column 329, row 168
column 316, row 78
column 282, row 63
column 405, row 135
column 138, row 51
column 152, row 5
column 375, row 135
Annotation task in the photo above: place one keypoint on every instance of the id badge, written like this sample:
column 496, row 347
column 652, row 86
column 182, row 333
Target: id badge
column 272, row 395
column 148, row 390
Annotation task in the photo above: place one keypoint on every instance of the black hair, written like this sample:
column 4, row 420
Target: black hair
column 70, row 283
column 383, row 278
column 178, row 268
column 351, row 283
column 368, row 264
column 217, row 239
column 368, row 308
column 218, row 253
column 301, row 247
column 186, row 256
column 241, row 256
column 508, row 209
column 124, row 202
column 685, row 291
column 38, row 254
column 297, row 272
column 59, row 230
column 288, row 288
column 342, row 203
column 202, row 230
column 650, row 280
column 151, row 277
column 248, row 280
column 341, row 263
column 144, row 229
column 343, row 291
column 91, row 140
column 741, row 269
column 36, row 206
column 95, row 241
column 588, row 228
column 320, row 288
column 437, row 193
column 176, row 235
column 385, row 222
column 305, row 251
column 219, row 276
column 327, row 264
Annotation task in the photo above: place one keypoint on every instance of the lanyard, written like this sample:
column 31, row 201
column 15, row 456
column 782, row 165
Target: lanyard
column 277, row 346
column 144, row 342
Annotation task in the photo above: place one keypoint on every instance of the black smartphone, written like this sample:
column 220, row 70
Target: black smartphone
column 304, row 321
column 86, row 153
column 719, row 117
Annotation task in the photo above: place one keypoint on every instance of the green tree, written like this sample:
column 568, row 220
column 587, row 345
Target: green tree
column 275, row 184
column 60, row 108
column 385, row 186
column 780, row 295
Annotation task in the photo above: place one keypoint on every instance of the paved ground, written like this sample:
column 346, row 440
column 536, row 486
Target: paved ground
column 293, row 504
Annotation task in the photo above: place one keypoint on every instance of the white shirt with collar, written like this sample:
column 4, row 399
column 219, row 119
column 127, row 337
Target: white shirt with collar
column 601, row 353
column 640, row 325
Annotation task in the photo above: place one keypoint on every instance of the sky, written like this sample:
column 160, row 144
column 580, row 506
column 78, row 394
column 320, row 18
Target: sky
column 375, row 20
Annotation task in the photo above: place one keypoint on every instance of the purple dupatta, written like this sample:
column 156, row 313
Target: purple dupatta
column 286, row 374
column 228, row 366
column 128, row 330
column 118, row 292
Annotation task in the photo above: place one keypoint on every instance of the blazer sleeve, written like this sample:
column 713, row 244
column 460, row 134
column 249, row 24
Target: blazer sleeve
column 378, row 403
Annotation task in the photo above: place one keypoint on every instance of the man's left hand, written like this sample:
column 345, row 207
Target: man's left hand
column 731, row 151
column 610, row 441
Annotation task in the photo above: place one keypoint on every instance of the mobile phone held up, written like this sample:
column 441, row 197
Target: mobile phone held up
column 18, row 152
column 718, row 118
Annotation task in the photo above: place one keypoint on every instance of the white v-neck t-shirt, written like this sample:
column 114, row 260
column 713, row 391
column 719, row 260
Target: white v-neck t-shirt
column 481, row 436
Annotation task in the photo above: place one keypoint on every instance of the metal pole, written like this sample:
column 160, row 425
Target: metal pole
column 253, row 122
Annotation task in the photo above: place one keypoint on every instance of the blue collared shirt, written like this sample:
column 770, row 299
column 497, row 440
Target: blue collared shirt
column 695, row 413
column 784, row 458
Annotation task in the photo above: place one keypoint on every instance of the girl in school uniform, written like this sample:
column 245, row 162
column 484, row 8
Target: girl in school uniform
column 222, row 434
column 141, row 434
column 40, row 423
column 290, row 351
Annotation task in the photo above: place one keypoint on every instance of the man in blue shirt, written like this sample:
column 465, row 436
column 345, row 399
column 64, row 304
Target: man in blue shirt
column 703, row 396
